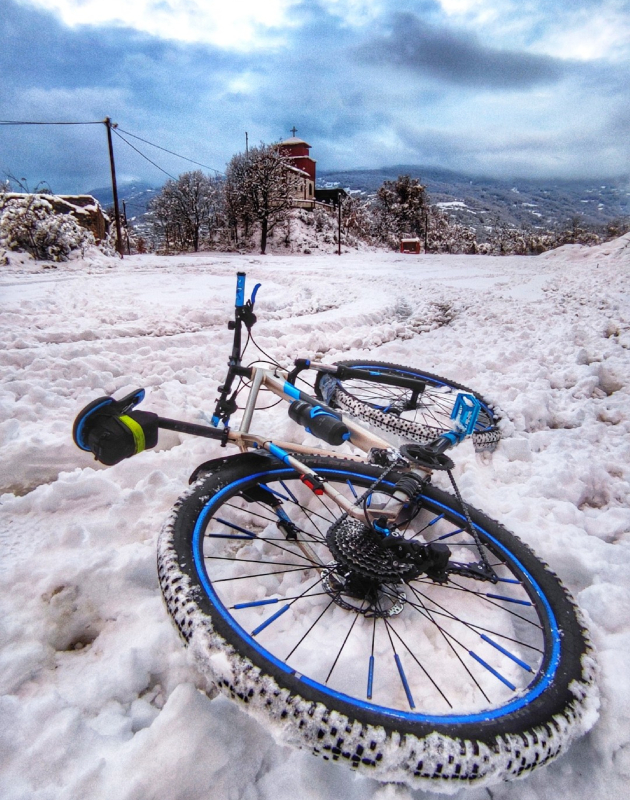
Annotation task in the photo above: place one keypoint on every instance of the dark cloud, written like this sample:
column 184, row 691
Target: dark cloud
column 420, row 93
column 152, row 87
column 457, row 57
column 38, row 50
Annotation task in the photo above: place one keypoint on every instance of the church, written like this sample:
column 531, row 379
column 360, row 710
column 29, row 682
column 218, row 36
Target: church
column 296, row 151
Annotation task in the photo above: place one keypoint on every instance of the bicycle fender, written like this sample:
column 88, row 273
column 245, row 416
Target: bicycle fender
column 242, row 460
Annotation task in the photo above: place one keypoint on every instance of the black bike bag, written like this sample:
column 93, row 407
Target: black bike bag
column 110, row 430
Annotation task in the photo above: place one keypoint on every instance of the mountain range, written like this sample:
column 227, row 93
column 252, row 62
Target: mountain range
column 481, row 201
column 477, row 201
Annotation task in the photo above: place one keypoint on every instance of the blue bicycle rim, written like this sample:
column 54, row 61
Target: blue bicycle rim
column 533, row 691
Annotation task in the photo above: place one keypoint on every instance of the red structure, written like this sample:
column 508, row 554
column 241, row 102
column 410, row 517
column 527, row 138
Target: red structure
column 410, row 246
column 297, row 150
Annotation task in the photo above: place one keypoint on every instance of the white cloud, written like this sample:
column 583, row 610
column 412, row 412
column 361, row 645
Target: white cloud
column 561, row 28
column 356, row 12
column 241, row 25
column 461, row 6
column 585, row 36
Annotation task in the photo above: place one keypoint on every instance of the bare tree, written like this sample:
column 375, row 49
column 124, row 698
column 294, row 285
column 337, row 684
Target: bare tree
column 187, row 211
column 260, row 187
column 15, row 184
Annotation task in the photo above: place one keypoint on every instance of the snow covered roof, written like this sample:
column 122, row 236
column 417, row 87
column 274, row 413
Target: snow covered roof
column 300, row 172
column 295, row 140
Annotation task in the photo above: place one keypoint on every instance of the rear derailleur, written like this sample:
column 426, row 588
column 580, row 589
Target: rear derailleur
column 433, row 560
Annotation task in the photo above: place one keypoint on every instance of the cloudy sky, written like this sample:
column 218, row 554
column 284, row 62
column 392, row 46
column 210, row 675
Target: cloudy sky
column 506, row 88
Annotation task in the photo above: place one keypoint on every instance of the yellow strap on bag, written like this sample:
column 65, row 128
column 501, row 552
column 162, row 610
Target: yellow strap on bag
column 136, row 430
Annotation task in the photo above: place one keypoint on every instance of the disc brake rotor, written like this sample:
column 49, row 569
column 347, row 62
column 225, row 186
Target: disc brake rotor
column 362, row 596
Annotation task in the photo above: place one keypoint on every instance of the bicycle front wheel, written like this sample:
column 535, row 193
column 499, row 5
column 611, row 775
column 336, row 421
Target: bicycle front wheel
column 419, row 417
column 298, row 616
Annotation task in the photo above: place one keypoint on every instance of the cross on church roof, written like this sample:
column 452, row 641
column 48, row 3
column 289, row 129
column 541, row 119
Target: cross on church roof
column 294, row 130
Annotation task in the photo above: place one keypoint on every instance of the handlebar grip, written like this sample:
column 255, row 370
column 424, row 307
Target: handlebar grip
column 240, row 290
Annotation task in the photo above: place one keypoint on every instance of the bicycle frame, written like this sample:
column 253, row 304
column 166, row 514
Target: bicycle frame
column 326, row 423
column 279, row 382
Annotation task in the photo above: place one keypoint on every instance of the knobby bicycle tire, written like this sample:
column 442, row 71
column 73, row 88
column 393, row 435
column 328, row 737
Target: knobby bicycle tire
column 222, row 544
column 381, row 404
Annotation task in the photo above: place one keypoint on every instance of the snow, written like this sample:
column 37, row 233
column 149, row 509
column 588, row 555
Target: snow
column 98, row 696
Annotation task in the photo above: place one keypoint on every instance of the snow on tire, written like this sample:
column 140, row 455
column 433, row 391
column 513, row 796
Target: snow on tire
column 450, row 698
column 423, row 422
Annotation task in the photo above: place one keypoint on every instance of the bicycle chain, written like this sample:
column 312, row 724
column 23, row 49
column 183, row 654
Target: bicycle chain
column 347, row 540
column 486, row 564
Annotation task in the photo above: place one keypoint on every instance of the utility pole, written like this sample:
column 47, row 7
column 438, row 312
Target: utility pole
column 339, row 223
column 246, row 144
column 108, row 124
column 126, row 228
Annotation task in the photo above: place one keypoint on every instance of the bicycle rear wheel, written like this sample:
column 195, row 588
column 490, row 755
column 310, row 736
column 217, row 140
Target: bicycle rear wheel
column 408, row 680
column 418, row 417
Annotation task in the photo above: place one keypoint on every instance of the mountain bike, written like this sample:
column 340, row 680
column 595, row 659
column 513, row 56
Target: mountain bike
column 338, row 594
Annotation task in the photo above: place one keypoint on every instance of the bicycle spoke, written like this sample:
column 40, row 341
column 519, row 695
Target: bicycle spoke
column 399, row 667
column 275, row 616
column 471, row 625
column 258, row 575
column 446, row 638
column 310, row 629
column 456, row 587
column 343, row 644
column 269, row 601
column 492, row 670
column 256, row 561
column 307, row 511
column 477, row 658
column 274, row 520
column 415, row 658
column 371, row 663
column 272, row 541
column 428, row 525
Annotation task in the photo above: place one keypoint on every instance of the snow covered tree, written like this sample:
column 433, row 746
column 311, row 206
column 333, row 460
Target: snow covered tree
column 402, row 204
column 446, row 235
column 188, row 211
column 361, row 220
column 576, row 232
column 617, row 227
column 260, row 186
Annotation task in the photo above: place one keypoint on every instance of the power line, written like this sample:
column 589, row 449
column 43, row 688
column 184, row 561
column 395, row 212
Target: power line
column 13, row 122
column 192, row 161
column 128, row 133
column 143, row 155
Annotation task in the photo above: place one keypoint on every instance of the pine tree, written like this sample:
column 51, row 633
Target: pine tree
column 402, row 205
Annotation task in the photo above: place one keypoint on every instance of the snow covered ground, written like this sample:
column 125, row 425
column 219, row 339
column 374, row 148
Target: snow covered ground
column 98, row 697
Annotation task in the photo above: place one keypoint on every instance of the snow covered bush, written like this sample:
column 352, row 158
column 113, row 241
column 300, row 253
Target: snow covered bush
column 30, row 224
